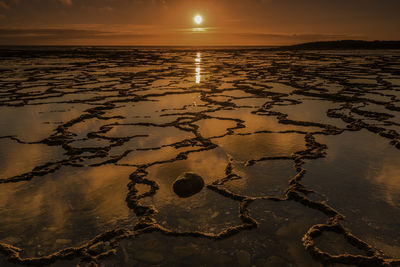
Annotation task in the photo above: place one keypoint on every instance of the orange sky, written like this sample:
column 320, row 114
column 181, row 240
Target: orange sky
column 170, row 22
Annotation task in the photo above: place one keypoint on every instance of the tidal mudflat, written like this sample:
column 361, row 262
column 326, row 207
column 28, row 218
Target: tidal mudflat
column 298, row 153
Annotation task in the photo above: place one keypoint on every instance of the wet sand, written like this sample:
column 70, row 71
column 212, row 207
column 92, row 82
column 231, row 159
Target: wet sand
column 299, row 153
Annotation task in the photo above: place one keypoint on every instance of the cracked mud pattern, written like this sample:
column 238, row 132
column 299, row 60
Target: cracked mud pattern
column 299, row 153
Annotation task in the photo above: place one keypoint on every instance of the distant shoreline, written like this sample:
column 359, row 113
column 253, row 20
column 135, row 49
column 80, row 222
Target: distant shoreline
column 342, row 45
column 319, row 45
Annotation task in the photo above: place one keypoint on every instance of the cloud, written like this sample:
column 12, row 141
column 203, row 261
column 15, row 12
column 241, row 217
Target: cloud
column 65, row 2
column 3, row 5
column 52, row 33
column 58, row 36
column 297, row 37
column 145, row 35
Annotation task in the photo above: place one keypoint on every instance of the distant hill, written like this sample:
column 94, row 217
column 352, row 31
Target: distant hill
column 342, row 45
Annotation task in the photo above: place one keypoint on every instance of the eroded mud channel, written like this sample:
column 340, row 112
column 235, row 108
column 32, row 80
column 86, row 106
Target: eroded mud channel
column 294, row 156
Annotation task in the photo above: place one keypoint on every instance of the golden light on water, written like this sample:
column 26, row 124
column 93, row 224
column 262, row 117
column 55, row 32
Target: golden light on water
column 198, row 69
column 198, row 19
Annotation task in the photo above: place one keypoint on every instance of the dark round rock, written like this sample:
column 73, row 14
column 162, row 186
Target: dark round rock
column 188, row 184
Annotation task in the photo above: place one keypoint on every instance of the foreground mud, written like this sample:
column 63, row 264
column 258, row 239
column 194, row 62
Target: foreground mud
column 299, row 153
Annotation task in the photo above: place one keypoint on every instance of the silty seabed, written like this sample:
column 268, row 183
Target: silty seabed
column 298, row 153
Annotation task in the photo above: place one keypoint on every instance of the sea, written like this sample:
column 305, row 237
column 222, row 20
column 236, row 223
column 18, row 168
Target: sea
column 199, row 156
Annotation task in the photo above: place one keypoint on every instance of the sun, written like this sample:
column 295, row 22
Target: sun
column 198, row 19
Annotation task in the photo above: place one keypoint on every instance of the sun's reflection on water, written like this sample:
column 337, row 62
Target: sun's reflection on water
column 198, row 69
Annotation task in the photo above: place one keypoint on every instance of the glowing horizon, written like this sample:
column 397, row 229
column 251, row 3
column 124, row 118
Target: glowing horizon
column 166, row 22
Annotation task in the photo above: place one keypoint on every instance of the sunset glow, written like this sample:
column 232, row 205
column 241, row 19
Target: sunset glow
column 198, row 19
column 140, row 132
column 195, row 22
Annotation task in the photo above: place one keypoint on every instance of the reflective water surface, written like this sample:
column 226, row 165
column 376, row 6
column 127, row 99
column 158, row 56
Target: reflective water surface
column 299, row 153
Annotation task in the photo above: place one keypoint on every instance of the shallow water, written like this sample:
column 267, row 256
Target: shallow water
column 298, row 151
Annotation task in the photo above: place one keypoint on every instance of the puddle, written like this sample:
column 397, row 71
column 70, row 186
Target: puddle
column 67, row 208
column 17, row 159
